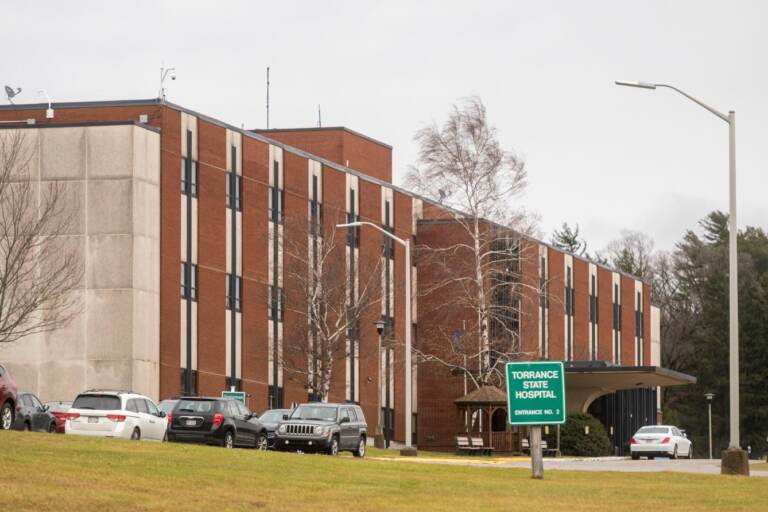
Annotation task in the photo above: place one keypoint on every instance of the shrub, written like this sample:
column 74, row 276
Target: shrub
column 573, row 440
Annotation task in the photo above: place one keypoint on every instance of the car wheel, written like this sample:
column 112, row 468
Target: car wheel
column 360, row 452
column 136, row 434
column 635, row 456
column 674, row 453
column 229, row 440
column 261, row 441
column 333, row 449
column 52, row 428
column 690, row 452
column 6, row 417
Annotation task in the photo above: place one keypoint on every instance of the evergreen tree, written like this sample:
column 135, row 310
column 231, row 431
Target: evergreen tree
column 567, row 239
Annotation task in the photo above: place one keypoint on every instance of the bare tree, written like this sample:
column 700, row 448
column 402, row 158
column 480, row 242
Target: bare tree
column 315, row 265
column 38, row 272
column 462, row 165
column 632, row 253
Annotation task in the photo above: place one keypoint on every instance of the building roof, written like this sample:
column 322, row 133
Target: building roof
column 258, row 135
column 267, row 131
column 485, row 395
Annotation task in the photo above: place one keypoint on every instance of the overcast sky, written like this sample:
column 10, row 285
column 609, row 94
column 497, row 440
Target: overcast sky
column 606, row 157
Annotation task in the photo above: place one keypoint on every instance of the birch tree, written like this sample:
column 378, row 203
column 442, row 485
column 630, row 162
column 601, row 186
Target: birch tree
column 38, row 272
column 317, row 294
column 462, row 165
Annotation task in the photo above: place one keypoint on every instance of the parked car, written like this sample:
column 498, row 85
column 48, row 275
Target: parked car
column 31, row 414
column 59, row 411
column 660, row 441
column 325, row 428
column 8, row 400
column 271, row 420
column 167, row 405
column 220, row 421
column 123, row 414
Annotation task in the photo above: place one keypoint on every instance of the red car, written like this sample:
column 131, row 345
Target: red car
column 59, row 411
column 8, row 399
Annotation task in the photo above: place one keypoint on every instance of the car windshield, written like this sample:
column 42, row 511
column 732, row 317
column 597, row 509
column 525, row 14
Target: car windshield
column 58, row 406
column 272, row 416
column 167, row 405
column 199, row 406
column 314, row 412
column 653, row 430
column 97, row 402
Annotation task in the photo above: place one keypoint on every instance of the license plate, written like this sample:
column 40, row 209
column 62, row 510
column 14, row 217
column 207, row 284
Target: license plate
column 190, row 423
column 93, row 419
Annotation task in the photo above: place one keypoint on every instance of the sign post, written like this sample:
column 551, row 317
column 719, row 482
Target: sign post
column 536, row 397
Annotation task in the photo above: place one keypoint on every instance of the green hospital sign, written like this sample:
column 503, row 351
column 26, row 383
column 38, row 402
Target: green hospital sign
column 536, row 393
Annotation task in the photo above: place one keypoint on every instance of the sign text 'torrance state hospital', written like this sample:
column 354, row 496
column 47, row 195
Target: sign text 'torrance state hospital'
column 536, row 393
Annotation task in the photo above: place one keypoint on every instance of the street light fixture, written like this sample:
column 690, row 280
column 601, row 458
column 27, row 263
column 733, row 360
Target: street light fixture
column 709, row 397
column 408, row 328
column 734, row 447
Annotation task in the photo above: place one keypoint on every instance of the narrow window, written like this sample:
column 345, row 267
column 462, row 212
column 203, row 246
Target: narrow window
column 188, row 177
column 188, row 281
column 275, row 303
column 276, row 205
column 234, row 286
column 234, row 191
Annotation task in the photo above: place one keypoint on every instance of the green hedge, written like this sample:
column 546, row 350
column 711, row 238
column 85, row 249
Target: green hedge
column 573, row 440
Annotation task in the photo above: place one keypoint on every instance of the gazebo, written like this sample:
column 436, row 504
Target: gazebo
column 483, row 412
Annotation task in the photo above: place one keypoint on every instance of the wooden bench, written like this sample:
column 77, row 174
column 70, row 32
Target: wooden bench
column 464, row 447
column 545, row 450
column 477, row 444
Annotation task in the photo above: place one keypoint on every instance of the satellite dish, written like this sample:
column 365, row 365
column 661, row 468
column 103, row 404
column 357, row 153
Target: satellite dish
column 11, row 93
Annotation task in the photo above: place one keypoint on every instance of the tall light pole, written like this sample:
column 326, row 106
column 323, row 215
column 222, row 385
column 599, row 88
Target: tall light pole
column 709, row 397
column 408, row 327
column 737, row 458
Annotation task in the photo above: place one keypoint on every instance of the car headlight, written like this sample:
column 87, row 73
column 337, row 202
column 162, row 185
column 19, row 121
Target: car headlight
column 282, row 429
column 319, row 430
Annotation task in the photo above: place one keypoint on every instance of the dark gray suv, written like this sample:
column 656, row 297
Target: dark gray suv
column 318, row 427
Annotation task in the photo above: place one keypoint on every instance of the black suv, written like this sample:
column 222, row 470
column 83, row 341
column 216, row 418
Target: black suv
column 317, row 427
column 221, row 421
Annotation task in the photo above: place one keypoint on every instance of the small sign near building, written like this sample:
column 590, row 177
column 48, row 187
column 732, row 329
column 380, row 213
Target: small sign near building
column 234, row 395
column 536, row 393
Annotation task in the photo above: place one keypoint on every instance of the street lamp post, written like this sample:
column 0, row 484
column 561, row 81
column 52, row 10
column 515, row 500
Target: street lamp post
column 380, row 328
column 735, row 459
column 408, row 328
column 709, row 397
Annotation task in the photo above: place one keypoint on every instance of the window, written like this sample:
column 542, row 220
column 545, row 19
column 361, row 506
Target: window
column 315, row 218
column 192, row 385
column 352, row 415
column 141, row 405
column 188, row 281
column 234, row 191
column 35, row 402
column 344, row 414
column 152, row 408
column 639, row 317
column 234, row 292
column 97, row 402
column 276, row 199
column 131, row 406
column 616, row 309
column 353, row 233
column 593, row 302
column 568, row 294
column 188, row 177
column 27, row 401
column 275, row 303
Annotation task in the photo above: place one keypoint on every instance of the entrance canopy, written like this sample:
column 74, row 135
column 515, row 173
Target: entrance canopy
column 586, row 381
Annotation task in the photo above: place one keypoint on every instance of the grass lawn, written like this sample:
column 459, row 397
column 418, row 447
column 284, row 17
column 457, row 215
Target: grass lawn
column 47, row 472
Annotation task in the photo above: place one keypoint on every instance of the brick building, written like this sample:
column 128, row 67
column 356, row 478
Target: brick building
column 185, row 284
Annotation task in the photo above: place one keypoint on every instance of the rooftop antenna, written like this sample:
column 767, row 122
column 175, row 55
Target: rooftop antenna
column 319, row 117
column 11, row 93
column 164, row 73
column 267, row 97
column 49, row 112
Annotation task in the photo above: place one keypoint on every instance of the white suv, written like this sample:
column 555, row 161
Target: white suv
column 120, row 414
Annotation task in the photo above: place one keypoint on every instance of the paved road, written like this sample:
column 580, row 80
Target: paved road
column 702, row 466
column 705, row 466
